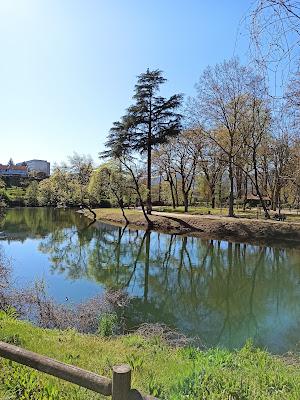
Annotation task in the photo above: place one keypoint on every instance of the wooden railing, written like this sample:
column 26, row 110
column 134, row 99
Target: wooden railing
column 119, row 387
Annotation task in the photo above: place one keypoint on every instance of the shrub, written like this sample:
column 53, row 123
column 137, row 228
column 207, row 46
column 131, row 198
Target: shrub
column 105, row 203
column 108, row 324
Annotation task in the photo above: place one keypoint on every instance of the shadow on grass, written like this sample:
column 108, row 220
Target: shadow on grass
column 183, row 224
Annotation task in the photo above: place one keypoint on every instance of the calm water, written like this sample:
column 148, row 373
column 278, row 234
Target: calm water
column 223, row 292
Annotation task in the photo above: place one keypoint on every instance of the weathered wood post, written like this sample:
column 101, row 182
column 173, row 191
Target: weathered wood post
column 121, row 382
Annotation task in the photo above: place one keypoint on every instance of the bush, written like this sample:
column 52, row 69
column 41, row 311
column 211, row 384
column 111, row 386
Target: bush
column 4, row 195
column 105, row 203
column 108, row 324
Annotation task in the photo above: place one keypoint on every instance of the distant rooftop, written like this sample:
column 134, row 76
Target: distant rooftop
column 13, row 167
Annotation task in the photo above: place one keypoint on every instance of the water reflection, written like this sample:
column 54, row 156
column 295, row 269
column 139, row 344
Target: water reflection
column 223, row 292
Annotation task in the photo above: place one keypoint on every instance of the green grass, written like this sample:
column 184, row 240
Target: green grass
column 14, row 194
column 173, row 374
column 15, row 191
column 292, row 216
column 192, row 210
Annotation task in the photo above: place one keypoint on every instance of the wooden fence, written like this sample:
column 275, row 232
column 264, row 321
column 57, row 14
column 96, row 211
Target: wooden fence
column 119, row 387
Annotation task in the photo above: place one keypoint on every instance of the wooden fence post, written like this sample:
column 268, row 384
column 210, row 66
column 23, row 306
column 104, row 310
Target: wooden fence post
column 121, row 382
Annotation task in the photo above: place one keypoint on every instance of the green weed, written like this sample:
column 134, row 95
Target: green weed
column 108, row 325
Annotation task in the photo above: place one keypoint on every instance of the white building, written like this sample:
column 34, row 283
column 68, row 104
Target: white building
column 38, row 166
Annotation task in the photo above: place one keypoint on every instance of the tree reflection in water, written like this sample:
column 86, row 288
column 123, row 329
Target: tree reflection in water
column 220, row 291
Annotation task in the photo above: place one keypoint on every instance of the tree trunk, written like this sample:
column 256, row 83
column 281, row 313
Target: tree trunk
column 176, row 191
column 136, row 183
column 239, row 180
column 169, row 179
column 121, row 205
column 220, row 192
column 245, row 192
column 213, row 195
column 90, row 210
column 159, row 189
column 147, row 264
column 279, row 201
column 149, row 200
column 186, row 201
column 173, row 197
column 276, row 197
column 258, row 192
column 231, row 197
column 149, row 161
column 213, row 200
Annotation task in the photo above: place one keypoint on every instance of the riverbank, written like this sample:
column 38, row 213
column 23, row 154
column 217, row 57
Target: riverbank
column 208, row 226
column 158, row 369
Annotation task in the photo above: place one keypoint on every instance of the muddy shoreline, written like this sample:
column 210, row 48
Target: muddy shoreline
column 279, row 234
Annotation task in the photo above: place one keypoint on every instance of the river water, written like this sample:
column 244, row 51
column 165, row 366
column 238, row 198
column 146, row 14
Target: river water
column 223, row 292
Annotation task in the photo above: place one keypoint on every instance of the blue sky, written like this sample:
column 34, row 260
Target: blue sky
column 68, row 67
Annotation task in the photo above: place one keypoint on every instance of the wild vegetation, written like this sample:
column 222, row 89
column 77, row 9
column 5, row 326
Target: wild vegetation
column 163, row 371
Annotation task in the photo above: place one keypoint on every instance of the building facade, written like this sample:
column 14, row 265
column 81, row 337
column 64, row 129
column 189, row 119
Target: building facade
column 14, row 170
column 38, row 168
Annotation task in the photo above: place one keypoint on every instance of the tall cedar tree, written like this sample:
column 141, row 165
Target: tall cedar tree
column 150, row 121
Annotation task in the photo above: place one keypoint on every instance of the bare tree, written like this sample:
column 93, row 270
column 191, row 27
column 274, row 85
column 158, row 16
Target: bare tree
column 185, row 157
column 218, row 109
column 211, row 163
column 281, row 151
column 179, row 160
column 275, row 37
column 255, row 129
column 162, row 160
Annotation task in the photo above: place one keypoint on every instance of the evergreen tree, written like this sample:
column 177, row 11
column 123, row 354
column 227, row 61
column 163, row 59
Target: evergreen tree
column 150, row 121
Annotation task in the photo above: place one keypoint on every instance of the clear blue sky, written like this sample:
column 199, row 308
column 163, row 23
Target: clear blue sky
column 68, row 67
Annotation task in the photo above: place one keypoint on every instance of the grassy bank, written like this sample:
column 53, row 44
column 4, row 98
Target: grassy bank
column 168, row 373
column 253, row 213
column 210, row 226
column 14, row 196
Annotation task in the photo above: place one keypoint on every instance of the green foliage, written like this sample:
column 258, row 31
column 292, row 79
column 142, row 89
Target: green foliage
column 8, row 313
column 150, row 121
column 154, row 388
column 4, row 199
column 24, row 384
column 135, row 361
column 161, row 371
column 31, row 195
column 4, row 195
column 109, row 185
column 61, row 189
column 108, row 324
column 2, row 184
column 189, row 387
column 68, row 184
column 98, row 186
column 13, row 195
column 45, row 196
column 149, row 109
column 14, row 339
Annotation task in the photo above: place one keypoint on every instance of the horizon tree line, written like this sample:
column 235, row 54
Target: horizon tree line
column 227, row 131
column 225, row 143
